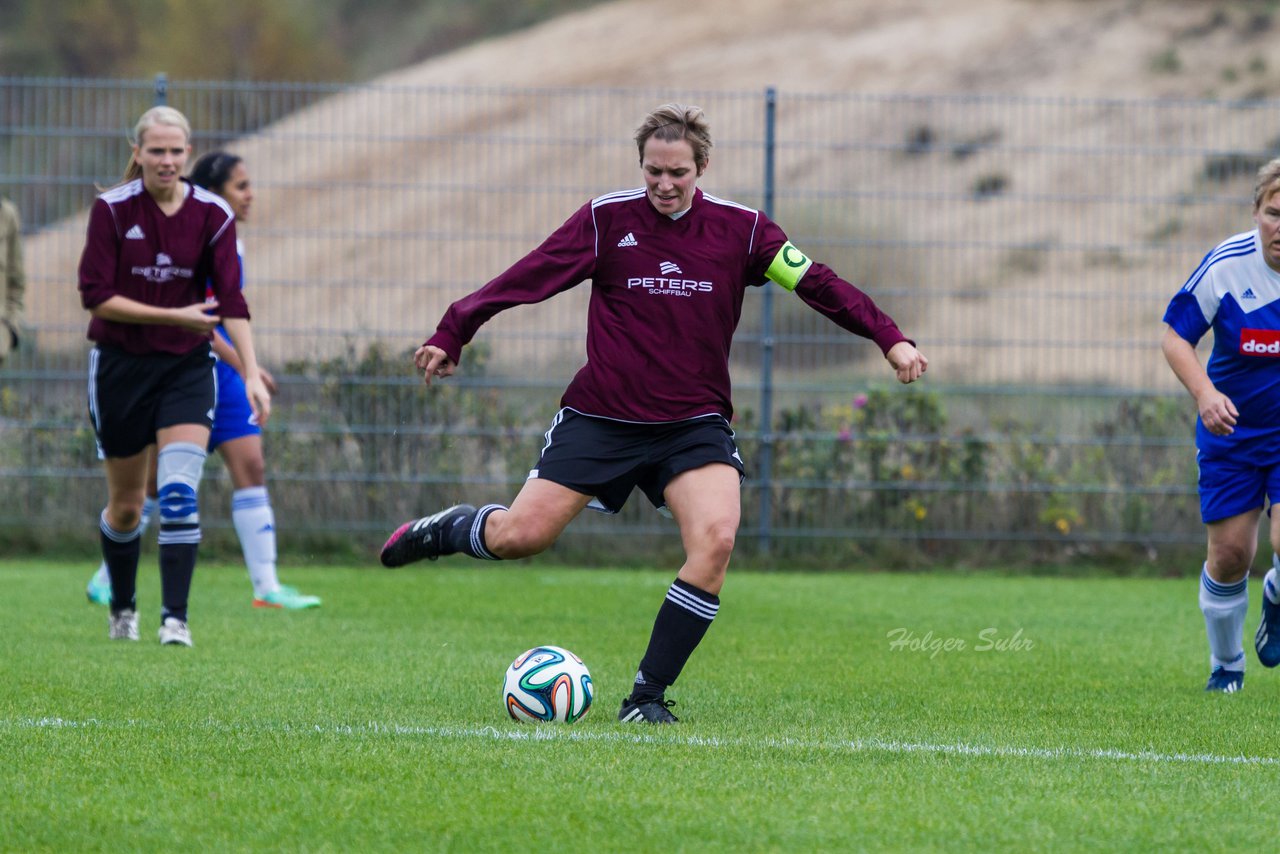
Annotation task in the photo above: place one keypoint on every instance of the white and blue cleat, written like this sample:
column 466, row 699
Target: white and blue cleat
column 1225, row 681
column 1267, row 640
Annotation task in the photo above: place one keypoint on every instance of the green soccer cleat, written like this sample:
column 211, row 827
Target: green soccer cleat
column 287, row 598
column 98, row 592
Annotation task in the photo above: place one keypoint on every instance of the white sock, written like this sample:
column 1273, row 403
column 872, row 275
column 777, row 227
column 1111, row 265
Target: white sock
column 148, row 510
column 1224, row 607
column 256, row 526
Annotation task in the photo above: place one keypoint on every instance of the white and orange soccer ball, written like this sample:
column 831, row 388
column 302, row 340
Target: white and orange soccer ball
column 547, row 683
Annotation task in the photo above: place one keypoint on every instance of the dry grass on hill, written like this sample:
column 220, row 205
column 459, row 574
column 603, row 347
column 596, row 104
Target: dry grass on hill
column 1102, row 49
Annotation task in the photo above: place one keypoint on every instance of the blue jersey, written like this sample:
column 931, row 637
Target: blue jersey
column 1237, row 294
column 233, row 417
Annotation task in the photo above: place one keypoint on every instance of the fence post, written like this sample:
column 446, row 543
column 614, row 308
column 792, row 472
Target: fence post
column 161, row 90
column 766, row 340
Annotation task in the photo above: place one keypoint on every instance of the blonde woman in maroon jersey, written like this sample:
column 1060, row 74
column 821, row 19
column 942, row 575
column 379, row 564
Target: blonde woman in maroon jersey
column 153, row 241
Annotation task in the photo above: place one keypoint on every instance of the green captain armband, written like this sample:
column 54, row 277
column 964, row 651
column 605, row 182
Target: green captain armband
column 789, row 266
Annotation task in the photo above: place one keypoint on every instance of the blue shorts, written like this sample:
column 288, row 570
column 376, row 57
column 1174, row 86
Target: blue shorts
column 232, row 416
column 1229, row 488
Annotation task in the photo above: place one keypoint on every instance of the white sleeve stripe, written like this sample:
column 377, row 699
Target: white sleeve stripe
column 617, row 196
column 727, row 203
column 213, row 198
column 1195, row 282
column 122, row 192
column 220, row 232
column 1229, row 249
column 203, row 195
column 595, row 226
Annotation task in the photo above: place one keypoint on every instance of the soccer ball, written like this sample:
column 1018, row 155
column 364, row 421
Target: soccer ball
column 547, row 683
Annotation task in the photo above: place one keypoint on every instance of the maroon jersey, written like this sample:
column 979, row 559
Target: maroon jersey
column 666, row 298
column 134, row 250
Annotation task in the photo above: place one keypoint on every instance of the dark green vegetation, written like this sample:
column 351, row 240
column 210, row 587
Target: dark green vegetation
column 329, row 40
column 880, row 479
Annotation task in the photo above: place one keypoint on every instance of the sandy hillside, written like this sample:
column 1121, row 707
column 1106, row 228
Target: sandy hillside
column 1052, row 48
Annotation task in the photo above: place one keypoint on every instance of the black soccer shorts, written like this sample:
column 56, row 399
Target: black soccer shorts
column 132, row 396
column 607, row 459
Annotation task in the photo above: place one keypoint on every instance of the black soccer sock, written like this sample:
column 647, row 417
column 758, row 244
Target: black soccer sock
column 466, row 534
column 683, row 619
column 177, row 566
column 121, row 551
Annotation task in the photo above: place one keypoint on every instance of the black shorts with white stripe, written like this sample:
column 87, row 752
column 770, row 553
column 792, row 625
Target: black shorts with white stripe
column 607, row 459
column 132, row 396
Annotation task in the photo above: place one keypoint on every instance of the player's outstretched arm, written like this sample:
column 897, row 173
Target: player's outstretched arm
column 433, row 362
column 908, row 362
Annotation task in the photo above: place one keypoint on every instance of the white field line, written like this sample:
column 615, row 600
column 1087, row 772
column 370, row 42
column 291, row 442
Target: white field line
column 518, row 732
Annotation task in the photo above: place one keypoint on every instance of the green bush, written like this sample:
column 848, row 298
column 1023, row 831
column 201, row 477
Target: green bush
column 890, row 477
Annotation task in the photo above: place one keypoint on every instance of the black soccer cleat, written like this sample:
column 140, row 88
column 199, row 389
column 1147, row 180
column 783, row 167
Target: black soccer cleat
column 648, row 711
column 422, row 538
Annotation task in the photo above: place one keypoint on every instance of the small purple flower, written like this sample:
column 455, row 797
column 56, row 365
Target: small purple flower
column 859, row 400
column 845, row 435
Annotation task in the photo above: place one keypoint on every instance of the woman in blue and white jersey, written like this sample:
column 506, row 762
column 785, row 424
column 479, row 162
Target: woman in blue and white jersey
column 1235, row 292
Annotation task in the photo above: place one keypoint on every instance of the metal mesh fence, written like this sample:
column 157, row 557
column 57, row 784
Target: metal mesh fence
column 1028, row 245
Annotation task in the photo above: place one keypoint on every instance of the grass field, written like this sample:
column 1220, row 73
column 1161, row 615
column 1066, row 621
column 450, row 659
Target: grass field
column 1072, row 718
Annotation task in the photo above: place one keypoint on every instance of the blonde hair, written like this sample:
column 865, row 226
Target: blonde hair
column 153, row 117
column 674, row 122
column 1268, row 175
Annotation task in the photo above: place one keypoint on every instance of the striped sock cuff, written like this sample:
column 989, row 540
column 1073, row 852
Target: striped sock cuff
column 697, row 602
column 1222, row 591
column 179, row 534
column 250, row 497
column 1271, row 581
column 478, row 547
column 117, row 536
